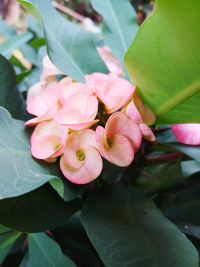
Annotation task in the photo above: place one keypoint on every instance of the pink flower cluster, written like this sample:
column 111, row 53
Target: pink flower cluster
column 82, row 122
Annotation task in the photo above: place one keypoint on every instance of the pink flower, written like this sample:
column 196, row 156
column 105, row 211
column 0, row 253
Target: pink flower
column 188, row 134
column 43, row 102
column 79, row 112
column 81, row 162
column 67, row 87
column 112, row 91
column 48, row 139
column 141, row 115
column 120, row 139
column 111, row 61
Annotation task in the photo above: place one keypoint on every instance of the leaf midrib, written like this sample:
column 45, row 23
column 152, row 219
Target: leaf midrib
column 178, row 99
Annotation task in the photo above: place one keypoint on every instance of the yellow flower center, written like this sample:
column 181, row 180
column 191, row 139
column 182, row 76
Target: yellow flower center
column 80, row 155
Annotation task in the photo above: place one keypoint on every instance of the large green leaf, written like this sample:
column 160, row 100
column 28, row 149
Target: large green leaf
column 37, row 211
column 20, row 173
column 10, row 97
column 70, row 48
column 164, row 58
column 127, row 229
column 6, row 242
column 45, row 252
column 120, row 24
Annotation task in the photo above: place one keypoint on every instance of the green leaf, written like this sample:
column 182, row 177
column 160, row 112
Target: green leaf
column 10, row 97
column 6, row 243
column 120, row 24
column 70, row 48
column 20, row 173
column 163, row 61
column 130, row 231
column 190, row 167
column 37, row 211
column 45, row 252
column 160, row 176
column 14, row 42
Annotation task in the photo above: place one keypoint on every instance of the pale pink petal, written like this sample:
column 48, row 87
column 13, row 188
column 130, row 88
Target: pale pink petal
column 48, row 139
column 41, row 97
column 111, row 61
column 188, row 134
column 147, row 132
column 112, row 91
column 67, row 87
column 133, row 113
column 79, row 113
column 118, row 151
column 49, row 69
column 90, row 169
column 120, row 123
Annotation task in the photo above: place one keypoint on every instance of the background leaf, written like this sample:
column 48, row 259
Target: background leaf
column 163, row 61
column 119, row 25
column 130, row 231
column 43, row 252
column 70, row 48
column 6, row 242
column 37, row 211
column 10, row 97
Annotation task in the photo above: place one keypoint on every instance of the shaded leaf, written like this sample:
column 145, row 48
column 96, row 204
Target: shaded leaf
column 37, row 211
column 130, row 231
column 6, row 243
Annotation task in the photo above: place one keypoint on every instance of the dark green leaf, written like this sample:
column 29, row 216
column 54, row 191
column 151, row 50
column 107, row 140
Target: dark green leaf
column 45, row 252
column 37, row 211
column 10, row 98
column 127, row 229
column 6, row 243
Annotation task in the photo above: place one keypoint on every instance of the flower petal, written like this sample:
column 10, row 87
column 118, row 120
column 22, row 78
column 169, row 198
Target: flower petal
column 188, row 134
column 120, row 152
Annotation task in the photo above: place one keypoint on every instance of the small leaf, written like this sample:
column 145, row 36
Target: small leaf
column 127, row 229
column 70, row 48
column 10, row 97
column 37, row 211
column 163, row 61
column 7, row 48
column 45, row 252
column 6, row 243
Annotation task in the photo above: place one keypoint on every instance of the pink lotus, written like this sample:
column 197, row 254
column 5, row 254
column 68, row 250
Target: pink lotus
column 112, row 91
column 81, row 162
column 120, row 139
column 47, row 140
column 188, row 134
column 79, row 112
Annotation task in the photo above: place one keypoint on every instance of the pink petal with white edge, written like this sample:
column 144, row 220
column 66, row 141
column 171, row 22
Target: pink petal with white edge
column 118, row 151
column 119, row 123
column 79, row 113
column 48, row 139
column 86, row 169
column 41, row 97
column 188, row 134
